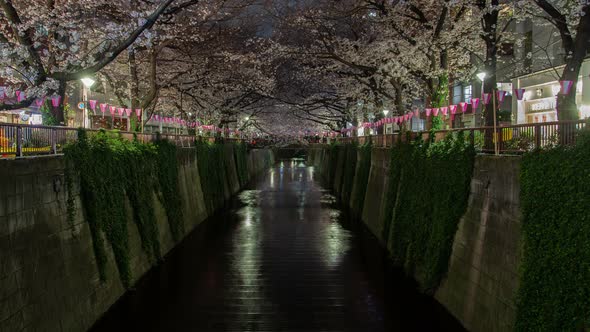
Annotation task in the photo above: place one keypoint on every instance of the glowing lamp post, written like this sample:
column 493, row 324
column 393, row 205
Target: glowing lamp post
column 385, row 112
column 87, row 83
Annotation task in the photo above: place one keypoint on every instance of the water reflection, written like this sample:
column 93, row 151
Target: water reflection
column 335, row 242
column 278, row 260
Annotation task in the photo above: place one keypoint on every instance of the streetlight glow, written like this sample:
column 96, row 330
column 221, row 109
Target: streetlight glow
column 87, row 81
column 385, row 112
column 481, row 76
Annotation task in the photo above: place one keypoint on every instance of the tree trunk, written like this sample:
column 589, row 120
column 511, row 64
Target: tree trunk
column 59, row 112
column 133, row 90
column 490, row 22
column 566, row 104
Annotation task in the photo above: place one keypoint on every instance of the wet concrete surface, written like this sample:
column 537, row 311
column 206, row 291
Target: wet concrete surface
column 283, row 256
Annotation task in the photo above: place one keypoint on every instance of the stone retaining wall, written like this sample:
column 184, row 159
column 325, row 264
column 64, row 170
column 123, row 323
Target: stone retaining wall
column 48, row 275
column 482, row 280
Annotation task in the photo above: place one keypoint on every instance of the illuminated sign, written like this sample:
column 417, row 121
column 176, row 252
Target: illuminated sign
column 542, row 105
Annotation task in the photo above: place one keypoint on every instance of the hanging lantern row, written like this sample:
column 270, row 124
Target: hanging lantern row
column 327, row 134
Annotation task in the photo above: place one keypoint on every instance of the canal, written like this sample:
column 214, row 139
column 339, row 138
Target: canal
column 282, row 256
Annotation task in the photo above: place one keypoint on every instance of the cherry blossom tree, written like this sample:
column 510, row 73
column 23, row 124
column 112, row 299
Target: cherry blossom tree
column 46, row 44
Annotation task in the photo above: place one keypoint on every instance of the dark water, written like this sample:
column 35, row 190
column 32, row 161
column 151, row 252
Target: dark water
column 282, row 257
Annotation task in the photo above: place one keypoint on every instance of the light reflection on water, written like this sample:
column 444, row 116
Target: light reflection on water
column 283, row 257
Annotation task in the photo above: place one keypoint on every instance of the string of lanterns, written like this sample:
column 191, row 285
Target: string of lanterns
column 566, row 87
column 121, row 111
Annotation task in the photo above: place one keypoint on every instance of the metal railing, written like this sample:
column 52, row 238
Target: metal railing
column 18, row 141
column 508, row 139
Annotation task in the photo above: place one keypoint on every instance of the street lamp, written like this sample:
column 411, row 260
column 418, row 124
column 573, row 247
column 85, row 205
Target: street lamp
column 87, row 82
column 385, row 112
column 481, row 76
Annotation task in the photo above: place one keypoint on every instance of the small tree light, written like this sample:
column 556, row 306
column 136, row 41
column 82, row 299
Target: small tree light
column 385, row 112
column 87, row 81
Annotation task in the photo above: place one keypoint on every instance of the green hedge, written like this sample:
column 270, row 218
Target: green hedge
column 428, row 194
column 554, row 293
column 111, row 168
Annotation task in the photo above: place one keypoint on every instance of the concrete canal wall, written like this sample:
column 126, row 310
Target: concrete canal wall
column 480, row 286
column 48, row 272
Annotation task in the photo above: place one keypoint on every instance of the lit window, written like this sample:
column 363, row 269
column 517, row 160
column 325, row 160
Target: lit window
column 467, row 93
column 457, row 94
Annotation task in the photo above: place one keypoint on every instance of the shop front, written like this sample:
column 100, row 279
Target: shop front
column 26, row 116
column 540, row 102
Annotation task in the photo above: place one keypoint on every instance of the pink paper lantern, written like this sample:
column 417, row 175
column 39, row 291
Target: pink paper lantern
column 416, row 112
column 112, row 110
column 138, row 112
column 519, row 93
column 55, row 101
column 40, row 101
column 500, row 94
column 20, row 96
column 444, row 110
column 453, row 109
column 103, row 108
column 435, row 111
column 120, row 111
column 474, row 104
column 92, row 104
column 428, row 112
column 128, row 112
column 486, row 98
column 463, row 106
column 566, row 87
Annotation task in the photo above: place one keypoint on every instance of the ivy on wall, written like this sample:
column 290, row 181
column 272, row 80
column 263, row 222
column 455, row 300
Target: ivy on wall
column 428, row 194
column 333, row 162
column 440, row 99
column 241, row 158
column 361, row 179
column 109, row 169
column 212, row 172
column 397, row 153
column 167, row 174
column 554, row 293
column 350, row 151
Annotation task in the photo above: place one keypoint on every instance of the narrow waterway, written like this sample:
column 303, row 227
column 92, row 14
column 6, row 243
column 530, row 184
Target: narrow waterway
column 283, row 256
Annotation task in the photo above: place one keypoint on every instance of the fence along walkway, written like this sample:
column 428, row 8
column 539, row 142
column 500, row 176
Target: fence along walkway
column 25, row 140
column 510, row 139
column 18, row 141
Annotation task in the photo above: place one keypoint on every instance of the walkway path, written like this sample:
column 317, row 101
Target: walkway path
column 279, row 260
